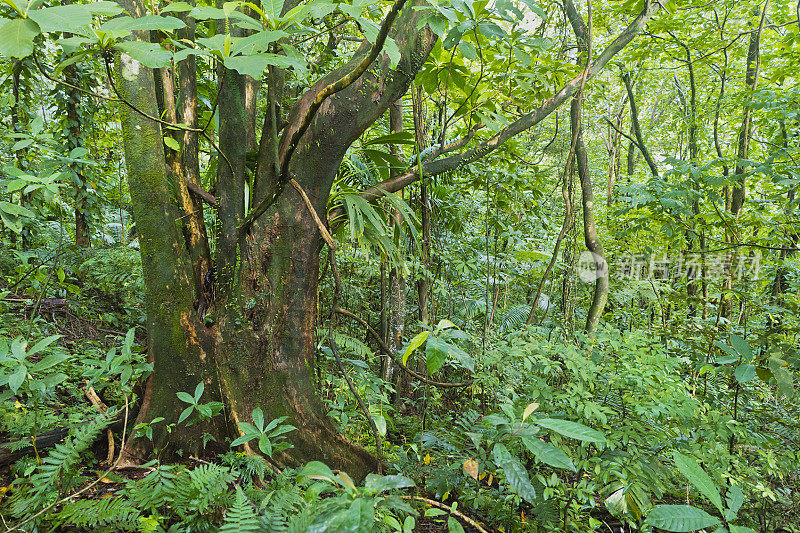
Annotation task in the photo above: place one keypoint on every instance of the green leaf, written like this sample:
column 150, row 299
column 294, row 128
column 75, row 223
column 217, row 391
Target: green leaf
column 252, row 66
column 44, row 343
column 435, row 354
column 680, row 518
column 741, row 529
column 198, row 391
column 741, row 346
column 16, row 379
column 415, row 343
column 377, row 484
column 780, row 372
column 258, row 42
column 515, row 473
column 273, row 7
column 745, row 372
column 572, row 430
column 185, row 397
column 734, row 500
column 16, row 210
column 177, row 7
column 548, row 454
column 317, row 470
column 698, row 477
column 265, row 445
column 437, row 350
column 172, row 143
column 16, row 37
column 454, row 526
column 185, row 414
column 148, row 54
column 258, row 418
column 69, row 18
column 244, row 438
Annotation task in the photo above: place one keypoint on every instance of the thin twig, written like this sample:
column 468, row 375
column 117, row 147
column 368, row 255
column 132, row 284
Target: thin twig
column 18, row 527
column 337, row 292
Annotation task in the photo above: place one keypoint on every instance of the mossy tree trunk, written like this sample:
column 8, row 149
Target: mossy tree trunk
column 245, row 327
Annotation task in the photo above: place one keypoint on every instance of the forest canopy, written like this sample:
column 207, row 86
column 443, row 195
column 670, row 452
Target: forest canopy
column 410, row 265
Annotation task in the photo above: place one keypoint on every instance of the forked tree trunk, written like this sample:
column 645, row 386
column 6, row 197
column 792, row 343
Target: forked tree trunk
column 256, row 346
column 260, row 350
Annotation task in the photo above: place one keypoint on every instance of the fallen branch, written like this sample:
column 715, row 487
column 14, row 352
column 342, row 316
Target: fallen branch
column 449, row 509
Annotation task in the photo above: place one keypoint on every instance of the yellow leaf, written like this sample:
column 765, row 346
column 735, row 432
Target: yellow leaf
column 427, row 459
column 471, row 468
column 483, row 475
column 528, row 410
column 17, row 405
column 105, row 480
column 490, row 480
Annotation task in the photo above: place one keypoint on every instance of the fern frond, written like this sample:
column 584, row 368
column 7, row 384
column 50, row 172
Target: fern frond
column 241, row 518
column 117, row 513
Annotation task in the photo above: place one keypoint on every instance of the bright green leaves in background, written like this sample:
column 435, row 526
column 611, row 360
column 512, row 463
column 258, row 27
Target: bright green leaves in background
column 437, row 348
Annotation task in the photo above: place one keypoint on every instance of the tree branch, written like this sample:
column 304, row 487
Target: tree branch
column 327, row 91
column 523, row 123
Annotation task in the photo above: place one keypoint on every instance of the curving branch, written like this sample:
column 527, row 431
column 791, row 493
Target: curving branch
column 523, row 123
column 335, row 87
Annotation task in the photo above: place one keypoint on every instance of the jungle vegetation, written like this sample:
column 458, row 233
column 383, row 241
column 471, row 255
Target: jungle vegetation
column 462, row 265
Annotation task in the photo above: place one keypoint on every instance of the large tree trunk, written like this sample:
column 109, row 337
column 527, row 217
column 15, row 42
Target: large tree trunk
column 260, row 350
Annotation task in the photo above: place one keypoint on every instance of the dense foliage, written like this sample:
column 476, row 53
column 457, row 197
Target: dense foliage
column 591, row 325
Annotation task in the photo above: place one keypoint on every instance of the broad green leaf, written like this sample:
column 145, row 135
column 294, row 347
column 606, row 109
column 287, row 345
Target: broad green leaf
column 185, row 397
column 741, row 346
column 317, row 470
column 734, row 500
column 745, row 372
column 49, row 361
column 454, row 526
column 273, row 7
column 16, row 37
column 172, row 143
column 415, row 343
column 258, row 42
column 698, row 477
column 548, row 454
column 437, row 350
column 780, row 372
column 258, row 418
column 148, row 54
column 244, row 438
column 44, row 343
column 198, row 391
column 435, row 354
column 265, row 445
column 18, row 347
column 185, row 413
column 573, row 430
column 680, row 518
column 377, row 484
column 531, row 407
column 252, row 66
column 16, row 210
column 70, row 18
column 515, row 473
column 16, row 379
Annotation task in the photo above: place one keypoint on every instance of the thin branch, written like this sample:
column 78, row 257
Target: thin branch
column 448, row 508
column 336, row 294
column 322, row 229
column 339, row 85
